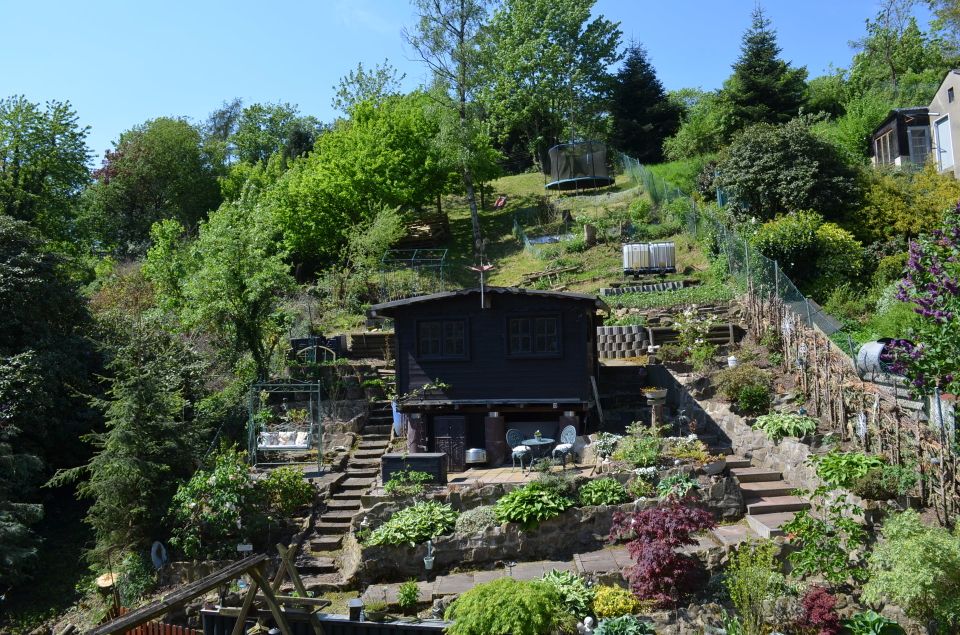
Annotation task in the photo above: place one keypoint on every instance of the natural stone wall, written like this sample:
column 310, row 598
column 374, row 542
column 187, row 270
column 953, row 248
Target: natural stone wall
column 576, row 530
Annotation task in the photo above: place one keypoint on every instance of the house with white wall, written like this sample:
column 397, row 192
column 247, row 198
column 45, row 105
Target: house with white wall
column 944, row 115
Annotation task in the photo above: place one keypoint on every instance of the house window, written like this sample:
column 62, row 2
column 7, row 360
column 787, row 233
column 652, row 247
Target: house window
column 950, row 95
column 919, row 144
column 882, row 147
column 534, row 336
column 442, row 339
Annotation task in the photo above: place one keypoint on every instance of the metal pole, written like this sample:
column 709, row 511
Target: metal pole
column 776, row 277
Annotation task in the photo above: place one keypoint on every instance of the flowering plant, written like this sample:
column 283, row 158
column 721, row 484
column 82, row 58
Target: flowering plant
column 932, row 285
column 692, row 332
column 605, row 444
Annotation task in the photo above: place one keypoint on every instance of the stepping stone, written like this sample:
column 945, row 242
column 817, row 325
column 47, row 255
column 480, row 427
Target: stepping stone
column 357, row 483
column 321, row 583
column 738, row 462
column 774, row 504
column 755, row 474
column 732, row 535
column 373, row 445
column 769, row 525
column 332, row 527
column 338, row 515
column 766, row 488
column 316, row 565
column 353, row 495
column 368, row 454
column 458, row 583
column 326, row 543
column 362, row 473
column 336, row 504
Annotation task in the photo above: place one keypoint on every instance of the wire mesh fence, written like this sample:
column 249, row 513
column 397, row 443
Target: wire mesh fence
column 749, row 270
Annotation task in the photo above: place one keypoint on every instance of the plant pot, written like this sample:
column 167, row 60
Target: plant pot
column 713, row 468
column 660, row 393
column 374, row 616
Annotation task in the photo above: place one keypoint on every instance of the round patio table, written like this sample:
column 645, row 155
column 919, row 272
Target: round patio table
column 539, row 448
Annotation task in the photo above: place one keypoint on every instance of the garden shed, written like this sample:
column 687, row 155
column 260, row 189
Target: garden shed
column 472, row 364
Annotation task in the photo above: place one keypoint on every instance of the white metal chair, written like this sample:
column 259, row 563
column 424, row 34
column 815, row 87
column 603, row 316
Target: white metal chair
column 568, row 436
column 519, row 451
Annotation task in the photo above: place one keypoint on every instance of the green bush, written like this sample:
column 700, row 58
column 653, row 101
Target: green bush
column 771, row 169
column 562, row 483
column 890, row 269
column 871, row 623
column 287, row 490
column 624, row 625
column 408, row 595
column 476, row 520
column 530, row 505
column 827, row 539
column 917, row 568
column 753, row 400
column 841, row 469
column 639, row 450
column 816, row 256
column 406, row 483
column 509, row 607
column 415, row 524
column 752, row 578
column 218, row 508
column 746, row 386
column 614, row 601
column 677, row 486
column 886, row 482
column 603, row 491
column 778, row 425
column 640, row 210
column 576, row 595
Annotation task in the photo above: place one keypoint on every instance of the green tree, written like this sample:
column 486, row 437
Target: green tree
column 43, row 156
column 446, row 39
column 359, row 85
column 545, row 71
column 158, row 170
column 228, row 283
column 763, row 87
column 642, row 115
column 701, row 124
column 850, row 132
column 827, row 94
column 771, row 169
column 264, row 129
column 896, row 56
column 382, row 156
column 152, row 439
column 44, row 361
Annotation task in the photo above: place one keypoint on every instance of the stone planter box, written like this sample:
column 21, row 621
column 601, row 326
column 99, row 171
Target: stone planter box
column 433, row 463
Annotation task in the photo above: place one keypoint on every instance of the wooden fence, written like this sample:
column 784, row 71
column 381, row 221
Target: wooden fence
column 870, row 416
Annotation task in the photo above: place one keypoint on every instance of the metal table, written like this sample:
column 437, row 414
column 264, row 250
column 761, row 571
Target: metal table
column 539, row 448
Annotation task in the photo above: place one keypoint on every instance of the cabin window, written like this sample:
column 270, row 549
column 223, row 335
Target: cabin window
column 442, row 339
column 883, row 150
column 539, row 335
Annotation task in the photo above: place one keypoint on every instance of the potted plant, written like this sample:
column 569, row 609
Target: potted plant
column 715, row 464
column 375, row 610
column 655, row 392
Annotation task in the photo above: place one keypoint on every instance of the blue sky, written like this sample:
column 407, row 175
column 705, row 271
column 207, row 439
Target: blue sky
column 122, row 62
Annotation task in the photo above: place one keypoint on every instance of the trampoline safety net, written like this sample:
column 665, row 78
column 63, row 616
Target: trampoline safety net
column 575, row 166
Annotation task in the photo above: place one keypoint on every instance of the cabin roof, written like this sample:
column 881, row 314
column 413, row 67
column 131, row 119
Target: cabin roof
column 894, row 113
column 386, row 309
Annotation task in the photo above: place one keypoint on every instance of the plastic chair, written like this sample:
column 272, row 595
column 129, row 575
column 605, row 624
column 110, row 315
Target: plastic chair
column 519, row 451
column 568, row 436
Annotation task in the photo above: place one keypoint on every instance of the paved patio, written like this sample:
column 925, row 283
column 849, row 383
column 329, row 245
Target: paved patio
column 507, row 474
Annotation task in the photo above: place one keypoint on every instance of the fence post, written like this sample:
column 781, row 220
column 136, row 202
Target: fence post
column 776, row 278
column 746, row 262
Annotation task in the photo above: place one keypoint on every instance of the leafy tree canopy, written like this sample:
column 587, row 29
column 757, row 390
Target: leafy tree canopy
column 156, row 171
column 360, row 85
column 264, row 129
column 701, row 127
column 43, row 156
column 545, row 70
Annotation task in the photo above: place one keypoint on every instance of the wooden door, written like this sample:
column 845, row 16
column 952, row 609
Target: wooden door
column 449, row 434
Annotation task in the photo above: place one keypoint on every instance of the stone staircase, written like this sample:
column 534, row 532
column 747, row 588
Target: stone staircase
column 769, row 499
column 318, row 563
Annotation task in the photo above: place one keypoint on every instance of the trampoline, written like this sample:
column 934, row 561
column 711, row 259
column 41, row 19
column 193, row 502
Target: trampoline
column 578, row 166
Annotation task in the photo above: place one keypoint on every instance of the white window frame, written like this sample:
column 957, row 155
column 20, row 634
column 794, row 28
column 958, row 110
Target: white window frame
column 911, row 132
column 940, row 151
column 882, row 148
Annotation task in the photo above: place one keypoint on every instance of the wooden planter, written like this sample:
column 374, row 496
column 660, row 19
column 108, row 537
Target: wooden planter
column 433, row 463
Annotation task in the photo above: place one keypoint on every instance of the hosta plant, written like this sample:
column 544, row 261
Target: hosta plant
column 576, row 594
column 780, row 424
column 827, row 540
column 676, row 486
column 842, row 469
column 624, row 625
column 415, row 524
column 530, row 505
column 870, row 623
column 603, row 491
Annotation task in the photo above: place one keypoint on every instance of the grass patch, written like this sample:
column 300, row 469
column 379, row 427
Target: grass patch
column 701, row 294
column 682, row 174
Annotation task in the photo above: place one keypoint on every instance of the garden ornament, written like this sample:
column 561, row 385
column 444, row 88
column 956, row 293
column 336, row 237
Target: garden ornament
column 585, row 627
